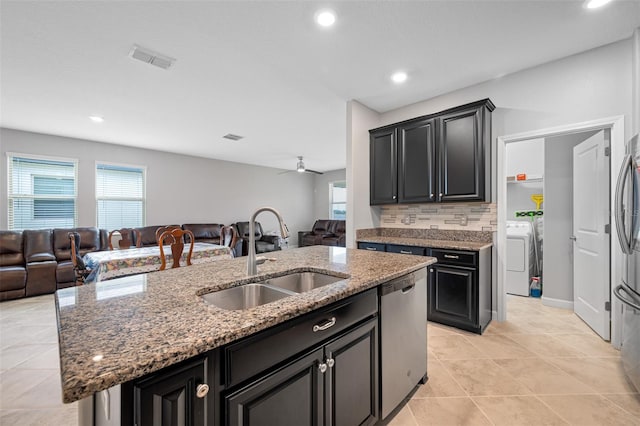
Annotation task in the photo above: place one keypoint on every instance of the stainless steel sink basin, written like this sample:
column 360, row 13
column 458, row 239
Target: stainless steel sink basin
column 302, row 281
column 250, row 295
column 245, row 296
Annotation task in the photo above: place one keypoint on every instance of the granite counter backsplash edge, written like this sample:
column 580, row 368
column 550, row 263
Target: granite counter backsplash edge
column 427, row 234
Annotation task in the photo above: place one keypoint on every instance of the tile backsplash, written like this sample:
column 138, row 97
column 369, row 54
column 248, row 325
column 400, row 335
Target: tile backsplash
column 457, row 216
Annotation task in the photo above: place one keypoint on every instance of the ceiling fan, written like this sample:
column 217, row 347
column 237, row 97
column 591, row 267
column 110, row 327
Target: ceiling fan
column 300, row 168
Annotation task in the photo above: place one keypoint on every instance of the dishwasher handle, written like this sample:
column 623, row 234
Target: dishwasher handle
column 403, row 284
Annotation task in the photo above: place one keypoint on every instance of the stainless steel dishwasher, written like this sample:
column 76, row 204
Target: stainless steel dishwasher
column 403, row 337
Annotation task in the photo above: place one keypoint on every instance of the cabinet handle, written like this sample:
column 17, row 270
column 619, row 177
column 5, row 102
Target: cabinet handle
column 394, row 197
column 431, row 270
column 405, row 252
column 450, row 256
column 322, row 367
column 431, row 196
column 371, row 248
column 331, row 362
column 202, row 390
column 327, row 324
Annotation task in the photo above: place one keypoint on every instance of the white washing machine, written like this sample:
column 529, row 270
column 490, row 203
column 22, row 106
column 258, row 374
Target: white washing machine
column 519, row 257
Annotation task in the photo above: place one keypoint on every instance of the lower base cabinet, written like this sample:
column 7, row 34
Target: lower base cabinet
column 335, row 384
column 179, row 396
column 460, row 289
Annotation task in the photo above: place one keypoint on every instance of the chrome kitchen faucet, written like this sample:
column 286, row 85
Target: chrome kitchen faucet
column 252, row 266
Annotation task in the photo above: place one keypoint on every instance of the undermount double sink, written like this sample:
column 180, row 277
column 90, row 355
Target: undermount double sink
column 266, row 291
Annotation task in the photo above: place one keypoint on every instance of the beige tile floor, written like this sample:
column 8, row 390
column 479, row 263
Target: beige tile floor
column 543, row 366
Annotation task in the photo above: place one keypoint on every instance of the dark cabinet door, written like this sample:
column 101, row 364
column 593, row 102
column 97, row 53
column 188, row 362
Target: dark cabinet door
column 351, row 380
column 383, row 167
column 416, row 162
column 171, row 398
column 452, row 296
column 461, row 156
column 291, row 396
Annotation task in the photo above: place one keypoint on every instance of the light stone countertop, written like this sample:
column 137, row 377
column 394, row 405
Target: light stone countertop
column 119, row 330
column 427, row 242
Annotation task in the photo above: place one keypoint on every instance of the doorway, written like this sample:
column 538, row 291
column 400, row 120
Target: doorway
column 569, row 135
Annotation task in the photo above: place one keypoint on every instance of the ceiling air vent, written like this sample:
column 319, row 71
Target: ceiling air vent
column 151, row 57
column 233, row 137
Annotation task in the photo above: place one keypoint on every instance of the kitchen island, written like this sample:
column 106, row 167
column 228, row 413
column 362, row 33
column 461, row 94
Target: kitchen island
column 123, row 330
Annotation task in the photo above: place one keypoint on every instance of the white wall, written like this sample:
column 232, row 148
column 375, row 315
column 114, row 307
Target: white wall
column 359, row 215
column 180, row 189
column 321, row 183
column 525, row 157
column 558, row 216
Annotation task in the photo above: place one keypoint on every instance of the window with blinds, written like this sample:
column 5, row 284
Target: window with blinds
column 41, row 192
column 120, row 196
column 338, row 200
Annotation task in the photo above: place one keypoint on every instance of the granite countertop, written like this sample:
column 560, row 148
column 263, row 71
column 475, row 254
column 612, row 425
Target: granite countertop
column 427, row 242
column 115, row 331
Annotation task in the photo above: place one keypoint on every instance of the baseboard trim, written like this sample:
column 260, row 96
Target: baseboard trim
column 557, row 303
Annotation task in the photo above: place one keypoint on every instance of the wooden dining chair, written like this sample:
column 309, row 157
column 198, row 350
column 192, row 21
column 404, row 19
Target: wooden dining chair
column 163, row 229
column 229, row 238
column 176, row 239
column 125, row 238
column 80, row 270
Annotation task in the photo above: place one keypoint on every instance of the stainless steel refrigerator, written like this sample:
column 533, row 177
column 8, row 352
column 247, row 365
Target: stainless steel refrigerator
column 627, row 213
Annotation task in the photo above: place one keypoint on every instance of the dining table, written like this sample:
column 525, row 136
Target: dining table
column 107, row 265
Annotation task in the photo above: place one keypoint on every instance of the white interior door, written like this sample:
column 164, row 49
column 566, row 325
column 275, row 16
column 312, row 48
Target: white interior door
column 591, row 286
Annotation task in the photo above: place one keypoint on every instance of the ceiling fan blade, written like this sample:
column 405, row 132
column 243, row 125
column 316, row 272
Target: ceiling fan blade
column 313, row 171
column 286, row 171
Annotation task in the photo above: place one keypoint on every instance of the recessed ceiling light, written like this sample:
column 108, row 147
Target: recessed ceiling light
column 594, row 4
column 96, row 118
column 325, row 18
column 399, row 77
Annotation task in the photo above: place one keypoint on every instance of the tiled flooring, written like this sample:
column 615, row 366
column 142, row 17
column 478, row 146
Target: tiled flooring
column 543, row 366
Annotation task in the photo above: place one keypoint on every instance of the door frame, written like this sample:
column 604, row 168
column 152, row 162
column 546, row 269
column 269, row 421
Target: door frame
column 616, row 126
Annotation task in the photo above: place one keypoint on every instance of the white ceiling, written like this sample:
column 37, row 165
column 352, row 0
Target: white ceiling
column 264, row 69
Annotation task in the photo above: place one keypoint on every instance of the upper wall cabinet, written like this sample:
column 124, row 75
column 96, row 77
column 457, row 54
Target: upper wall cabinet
column 436, row 158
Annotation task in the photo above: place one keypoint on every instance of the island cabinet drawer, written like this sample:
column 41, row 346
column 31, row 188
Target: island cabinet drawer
column 417, row 251
column 455, row 257
column 258, row 353
column 372, row 246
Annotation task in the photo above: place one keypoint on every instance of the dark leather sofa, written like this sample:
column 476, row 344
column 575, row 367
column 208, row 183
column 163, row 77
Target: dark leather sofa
column 210, row 233
column 264, row 243
column 34, row 262
column 148, row 235
column 91, row 239
column 325, row 232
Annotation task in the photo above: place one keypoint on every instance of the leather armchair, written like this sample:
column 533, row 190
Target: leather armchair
column 264, row 243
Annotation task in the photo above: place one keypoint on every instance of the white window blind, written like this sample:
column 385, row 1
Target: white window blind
column 41, row 192
column 338, row 200
column 120, row 196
